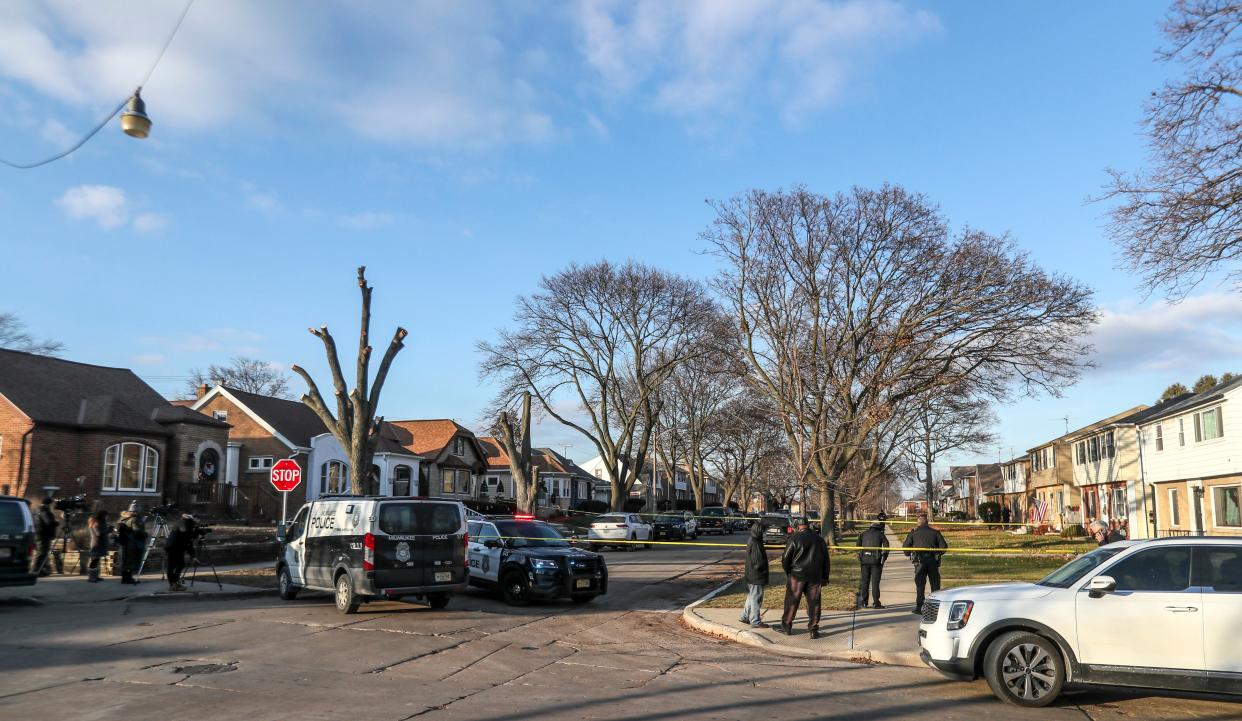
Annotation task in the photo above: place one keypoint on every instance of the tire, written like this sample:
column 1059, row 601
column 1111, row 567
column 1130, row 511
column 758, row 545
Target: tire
column 632, row 545
column 583, row 599
column 438, row 600
column 288, row 591
column 1024, row 669
column 597, row 547
column 515, row 589
column 346, row 600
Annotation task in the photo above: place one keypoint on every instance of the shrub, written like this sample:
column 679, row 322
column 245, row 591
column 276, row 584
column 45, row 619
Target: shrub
column 1074, row 530
column 634, row 505
column 989, row 511
column 592, row 505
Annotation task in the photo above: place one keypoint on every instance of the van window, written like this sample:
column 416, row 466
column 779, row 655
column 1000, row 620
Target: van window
column 12, row 520
column 406, row 519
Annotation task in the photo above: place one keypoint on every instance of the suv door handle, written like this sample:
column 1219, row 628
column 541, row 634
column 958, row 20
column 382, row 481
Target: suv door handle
column 1182, row 609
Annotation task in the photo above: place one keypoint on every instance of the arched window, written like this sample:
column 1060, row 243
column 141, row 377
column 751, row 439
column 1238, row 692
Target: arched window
column 131, row 467
column 333, row 477
column 401, row 476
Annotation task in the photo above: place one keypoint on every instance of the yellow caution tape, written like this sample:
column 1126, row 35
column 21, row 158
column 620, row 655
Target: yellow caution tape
column 833, row 548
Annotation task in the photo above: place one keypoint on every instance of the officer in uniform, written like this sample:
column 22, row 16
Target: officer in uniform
column 926, row 562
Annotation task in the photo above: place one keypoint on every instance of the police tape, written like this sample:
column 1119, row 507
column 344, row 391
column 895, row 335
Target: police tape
column 749, row 519
column 1009, row 552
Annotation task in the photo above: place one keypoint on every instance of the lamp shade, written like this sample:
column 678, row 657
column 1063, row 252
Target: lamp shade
column 134, row 120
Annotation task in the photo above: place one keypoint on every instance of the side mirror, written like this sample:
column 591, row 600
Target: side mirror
column 282, row 533
column 1101, row 585
column 491, row 543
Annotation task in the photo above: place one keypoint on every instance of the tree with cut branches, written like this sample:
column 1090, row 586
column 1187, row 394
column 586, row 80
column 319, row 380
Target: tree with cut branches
column 354, row 425
column 849, row 306
column 13, row 336
column 1181, row 219
column 513, row 434
column 593, row 345
column 246, row 374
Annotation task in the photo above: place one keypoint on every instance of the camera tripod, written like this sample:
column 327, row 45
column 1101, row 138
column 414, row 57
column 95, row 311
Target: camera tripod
column 200, row 553
column 161, row 531
column 65, row 533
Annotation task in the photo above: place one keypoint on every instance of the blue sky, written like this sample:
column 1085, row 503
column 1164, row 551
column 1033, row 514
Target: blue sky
column 460, row 150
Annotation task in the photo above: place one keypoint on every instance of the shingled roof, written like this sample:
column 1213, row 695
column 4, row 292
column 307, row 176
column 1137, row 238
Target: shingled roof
column 291, row 419
column 497, row 459
column 429, row 437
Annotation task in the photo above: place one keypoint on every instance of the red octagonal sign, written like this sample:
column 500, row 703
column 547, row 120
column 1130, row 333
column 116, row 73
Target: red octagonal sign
column 286, row 475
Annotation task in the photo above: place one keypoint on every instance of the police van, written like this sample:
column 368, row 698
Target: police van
column 362, row 548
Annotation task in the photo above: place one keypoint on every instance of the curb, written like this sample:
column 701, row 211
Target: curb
column 746, row 637
column 159, row 596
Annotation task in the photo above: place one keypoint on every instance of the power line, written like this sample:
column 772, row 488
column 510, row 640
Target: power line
column 93, row 131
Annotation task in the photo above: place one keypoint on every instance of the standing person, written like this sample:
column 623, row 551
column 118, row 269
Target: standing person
column 1006, row 516
column 179, row 543
column 131, row 540
column 756, row 577
column 806, row 569
column 871, row 562
column 927, row 561
column 45, row 525
column 99, row 531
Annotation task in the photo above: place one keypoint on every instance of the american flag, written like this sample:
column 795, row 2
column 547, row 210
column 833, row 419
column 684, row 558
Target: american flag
column 1041, row 511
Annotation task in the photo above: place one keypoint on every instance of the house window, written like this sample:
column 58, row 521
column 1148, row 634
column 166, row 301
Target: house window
column 132, row 467
column 459, row 446
column 2, row 449
column 1093, row 449
column 1159, row 437
column 259, row 463
column 1119, row 503
column 1061, row 502
column 1208, row 425
column 455, row 480
column 1175, row 507
column 1225, row 500
column 1110, row 450
column 1080, row 452
column 333, row 477
column 220, row 415
column 1181, row 431
column 401, row 476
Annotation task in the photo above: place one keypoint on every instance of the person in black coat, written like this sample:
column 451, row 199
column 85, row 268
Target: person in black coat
column 179, row 543
column 871, row 562
column 98, row 531
column 756, row 577
column 45, row 525
column 929, row 543
column 806, row 567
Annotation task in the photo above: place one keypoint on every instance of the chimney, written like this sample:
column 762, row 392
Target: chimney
column 202, row 391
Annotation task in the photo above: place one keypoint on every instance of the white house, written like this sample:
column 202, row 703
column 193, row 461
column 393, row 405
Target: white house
column 393, row 469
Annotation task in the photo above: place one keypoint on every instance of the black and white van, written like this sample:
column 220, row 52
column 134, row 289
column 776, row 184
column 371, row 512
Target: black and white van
column 368, row 547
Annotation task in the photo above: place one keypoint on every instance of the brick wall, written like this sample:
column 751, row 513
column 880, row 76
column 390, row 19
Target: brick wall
column 73, row 460
column 13, row 426
column 256, row 440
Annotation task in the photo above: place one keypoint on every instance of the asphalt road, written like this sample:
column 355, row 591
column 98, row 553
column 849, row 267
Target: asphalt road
column 623, row 657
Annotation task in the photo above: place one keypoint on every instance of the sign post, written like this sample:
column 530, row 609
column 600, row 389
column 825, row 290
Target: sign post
column 286, row 476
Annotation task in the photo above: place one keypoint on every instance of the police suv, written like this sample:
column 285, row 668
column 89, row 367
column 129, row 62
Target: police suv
column 527, row 559
column 375, row 547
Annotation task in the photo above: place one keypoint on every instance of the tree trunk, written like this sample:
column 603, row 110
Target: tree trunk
column 927, row 467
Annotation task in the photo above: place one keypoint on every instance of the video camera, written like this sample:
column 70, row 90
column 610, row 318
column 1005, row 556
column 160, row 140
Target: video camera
column 71, row 504
column 169, row 509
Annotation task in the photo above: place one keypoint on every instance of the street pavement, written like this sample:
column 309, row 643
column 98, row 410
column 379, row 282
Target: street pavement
column 624, row 657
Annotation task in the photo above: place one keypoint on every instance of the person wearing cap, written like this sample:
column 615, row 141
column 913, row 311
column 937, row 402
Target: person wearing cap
column 180, row 542
column 131, row 540
column 871, row 561
column 756, row 577
column 806, row 567
column 925, row 547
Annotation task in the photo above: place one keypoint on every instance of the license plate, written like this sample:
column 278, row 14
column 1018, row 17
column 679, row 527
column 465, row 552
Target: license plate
column 6, row 552
column 444, row 576
column 582, row 583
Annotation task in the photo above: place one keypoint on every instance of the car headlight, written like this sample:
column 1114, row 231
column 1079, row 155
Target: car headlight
column 542, row 564
column 959, row 614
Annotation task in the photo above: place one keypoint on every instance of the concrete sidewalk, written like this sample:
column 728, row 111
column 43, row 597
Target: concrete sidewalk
column 60, row 589
column 886, row 636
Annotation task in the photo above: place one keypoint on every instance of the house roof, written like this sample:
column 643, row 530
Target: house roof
column 430, row 437
column 1181, row 404
column 67, row 393
column 291, row 419
column 568, row 465
column 497, row 459
column 182, row 414
column 392, row 440
column 991, row 480
column 1091, row 427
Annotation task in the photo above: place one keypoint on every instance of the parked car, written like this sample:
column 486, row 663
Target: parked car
column 17, row 542
column 776, row 528
column 813, row 519
column 715, row 519
column 528, row 560
column 1155, row 614
column 627, row 528
column 361, row 548
column 673, row 526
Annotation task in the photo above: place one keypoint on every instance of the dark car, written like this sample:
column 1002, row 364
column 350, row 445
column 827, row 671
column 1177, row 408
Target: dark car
column 17, row 546
column 812, row 518
column 776, row 527
column 672, row 526
column 715, row 519
column 530, row 560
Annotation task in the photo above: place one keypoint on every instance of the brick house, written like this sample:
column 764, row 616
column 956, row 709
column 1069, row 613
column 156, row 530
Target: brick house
column 452, row 457
column 562, row 481
column 69, row 428
column 264, row 430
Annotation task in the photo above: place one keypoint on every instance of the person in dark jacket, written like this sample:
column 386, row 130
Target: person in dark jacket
column 926, row 559
column 131, row 541
column 871, row 561
column 756, row 577
column 179, row 543
column 806, row 570
column 45, row 525
column 99, row 531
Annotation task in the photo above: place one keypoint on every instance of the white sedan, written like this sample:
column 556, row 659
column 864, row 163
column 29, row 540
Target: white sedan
column 619, row 529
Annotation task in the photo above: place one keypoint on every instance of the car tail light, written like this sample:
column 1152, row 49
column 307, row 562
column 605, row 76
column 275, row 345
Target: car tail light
column 788, row 529
column 465, row 543
column 30, row 550
column 523, row 517
column 622, row 525
column 368, row 552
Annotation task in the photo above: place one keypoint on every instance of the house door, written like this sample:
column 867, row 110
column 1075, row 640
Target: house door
column 424, row 483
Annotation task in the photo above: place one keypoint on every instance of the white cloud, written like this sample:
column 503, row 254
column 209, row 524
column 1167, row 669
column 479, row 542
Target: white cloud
column 150, row 222
column 597, row 125
column 366, row 220
column 103, row 204
column 56, row 133
column 149, row 359
column 696, row 58
column 1201, row 331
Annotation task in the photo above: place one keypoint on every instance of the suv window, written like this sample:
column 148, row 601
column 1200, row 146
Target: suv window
column 12, row 520
column 1155, row 569
column 1219, row 568
column 1070, row 573
column 485, row 532
column 407, row 519
column 529, row 534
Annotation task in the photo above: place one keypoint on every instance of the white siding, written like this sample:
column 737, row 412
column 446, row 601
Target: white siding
column 1203, row 459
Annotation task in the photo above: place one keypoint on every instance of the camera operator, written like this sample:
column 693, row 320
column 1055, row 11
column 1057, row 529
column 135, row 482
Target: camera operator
column 131, row 540
column 45, row 525
column 99, row 533
column 179, row 543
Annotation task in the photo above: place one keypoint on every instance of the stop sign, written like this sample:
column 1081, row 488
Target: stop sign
column 286, row 475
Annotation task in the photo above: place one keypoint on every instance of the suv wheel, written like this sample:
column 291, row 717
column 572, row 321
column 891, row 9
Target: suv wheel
column 346, row 600
column 1024, row 669
column 515, row 589
column 288, row 591
column 633, row 544
column 437, row 600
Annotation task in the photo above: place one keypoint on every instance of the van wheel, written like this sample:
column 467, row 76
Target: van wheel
column 288, row 591
column 346, row 600
column 437, row 600
column 515, row 589
column 1024, row 669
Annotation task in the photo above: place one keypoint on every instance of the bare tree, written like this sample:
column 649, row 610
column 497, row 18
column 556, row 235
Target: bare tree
column 1182, row 218
column 849, row 306
column 745, row 435
column 244, row 374
column 354, row 425
column 947, row 421
column 513, row 433
column 13, row 336
column 603, row 337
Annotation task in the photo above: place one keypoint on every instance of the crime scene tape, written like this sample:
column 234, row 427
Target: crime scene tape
column 831, row 548
column 934, row 522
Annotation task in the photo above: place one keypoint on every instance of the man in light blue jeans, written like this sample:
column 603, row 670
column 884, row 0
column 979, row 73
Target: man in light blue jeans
column 756, row 577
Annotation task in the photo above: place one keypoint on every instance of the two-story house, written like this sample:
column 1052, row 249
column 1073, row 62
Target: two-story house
column 393, row 466
column 562, row 482
column 965, row 488
column 1191, row 454
column 1053, row 496
column 1014, row 473
column 452, row 458
column 1104, row 459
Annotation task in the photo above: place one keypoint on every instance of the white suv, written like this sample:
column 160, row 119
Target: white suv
column 1155, row 614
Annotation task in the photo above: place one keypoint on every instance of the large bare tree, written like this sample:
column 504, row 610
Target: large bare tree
column 246, row 374
column 851, row 305
column 593, row 345
column 354, row 425
column 1181, row 218
column 13, row 336
column 513, row 434
column 949, row 420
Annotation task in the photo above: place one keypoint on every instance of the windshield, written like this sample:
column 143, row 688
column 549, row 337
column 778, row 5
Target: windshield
column 669, row 519
column 1070, row 573
column 775, row 520
column 713, row 511
column 413, row 518
column 526, row 534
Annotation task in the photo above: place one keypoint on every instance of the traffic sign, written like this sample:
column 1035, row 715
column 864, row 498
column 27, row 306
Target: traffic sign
column 286, row 475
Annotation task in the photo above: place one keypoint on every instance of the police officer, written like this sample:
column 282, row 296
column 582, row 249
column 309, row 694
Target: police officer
column 926, row 562
column 871, row 561
column 46, row 525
